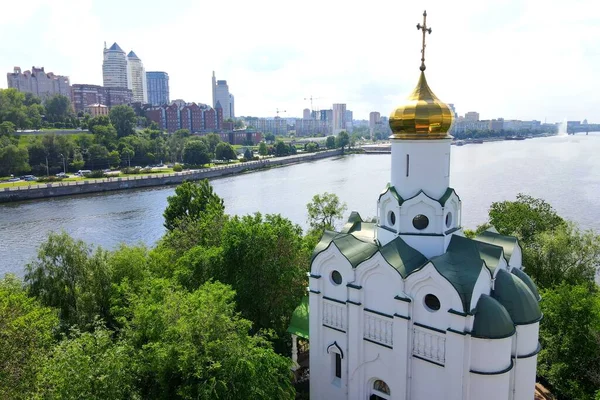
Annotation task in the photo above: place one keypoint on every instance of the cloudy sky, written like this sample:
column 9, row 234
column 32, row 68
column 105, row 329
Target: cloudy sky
column 517, row 59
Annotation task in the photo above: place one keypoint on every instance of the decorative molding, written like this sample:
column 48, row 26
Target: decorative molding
column 458, row 332
column 505, row 370
column 315, row 276
column 314, row 291
column 334, row 344
column 335, row 329
column 429, row 327
column 378, row 329
column 353, row 286
column 401, row 298
column 379, row 313
column 353, row 302
column 334, row 300
column 533, row 353
column 377, row 343
column 429, row 361
column 459, row 313
column 387, row 228
column 428, row 345
column 334, row 315
column 402, row 316
column 452, row 230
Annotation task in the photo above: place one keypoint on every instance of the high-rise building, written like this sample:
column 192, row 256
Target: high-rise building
column 38, row 82
column 472, row 116
column 231, row 106
column 157, row 83
column 221, row 95
column 86, row 95
column 114, row 67
column 348, row 120
column 136, row 78
column 374, row 120
column 115, row 96
column 338, row 121
column 306, row 114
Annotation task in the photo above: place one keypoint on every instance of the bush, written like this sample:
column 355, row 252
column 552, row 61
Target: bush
column 177, row 168
column 49, row 179
column 130, row 170
column 95, row 174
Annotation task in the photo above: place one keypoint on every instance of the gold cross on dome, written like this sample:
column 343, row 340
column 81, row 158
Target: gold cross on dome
column 425, row 30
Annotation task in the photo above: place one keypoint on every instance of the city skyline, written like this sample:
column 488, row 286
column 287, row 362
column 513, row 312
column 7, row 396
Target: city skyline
column 504, row 59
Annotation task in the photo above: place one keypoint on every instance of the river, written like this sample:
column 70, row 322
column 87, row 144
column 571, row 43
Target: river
column 564, row 170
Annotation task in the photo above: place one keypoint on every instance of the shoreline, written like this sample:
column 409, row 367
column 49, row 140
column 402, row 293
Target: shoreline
column 49, row 190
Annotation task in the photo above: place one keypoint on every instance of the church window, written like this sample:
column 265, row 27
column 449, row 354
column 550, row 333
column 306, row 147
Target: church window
column 449, row 220
column 407, row 164
column 420, row 222
column 338, row 365
column 432, row 302
column 392, row 218
column 379, row 391
column 336, row 278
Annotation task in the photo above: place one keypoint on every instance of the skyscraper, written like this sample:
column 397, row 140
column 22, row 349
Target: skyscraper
column 231, row 106
column 158, row 87
column 114, row 67
column 136, row 78
column 306, row 113
column 222, row 96
column 339, row 118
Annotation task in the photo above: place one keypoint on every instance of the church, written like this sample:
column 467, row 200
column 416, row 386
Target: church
column 407, row 307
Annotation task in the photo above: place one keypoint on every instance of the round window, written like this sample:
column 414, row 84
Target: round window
column 392, row 218
column 336, row 277
column 449, row 220
column 420, row 222
column 432, row 302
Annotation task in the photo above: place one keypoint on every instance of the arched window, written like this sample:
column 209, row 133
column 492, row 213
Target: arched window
column 380, row 391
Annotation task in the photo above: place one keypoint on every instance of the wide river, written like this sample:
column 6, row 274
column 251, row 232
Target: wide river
column 565, row 171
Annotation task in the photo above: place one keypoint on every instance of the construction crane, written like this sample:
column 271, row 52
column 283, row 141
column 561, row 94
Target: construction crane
column 277, row 110
column 277, row 120
column 311, row 98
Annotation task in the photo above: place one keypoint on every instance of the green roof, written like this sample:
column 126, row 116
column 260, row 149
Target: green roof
column 402, row 257
column 508, row 243
column 521, row 304
column 390, row 188
column 461, row 266
column 446, row 196
column 299, row 323
column 492, row 321
column 355, row 250
column 528, row 281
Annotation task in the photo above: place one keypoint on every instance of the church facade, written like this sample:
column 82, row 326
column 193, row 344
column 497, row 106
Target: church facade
column 408, row 308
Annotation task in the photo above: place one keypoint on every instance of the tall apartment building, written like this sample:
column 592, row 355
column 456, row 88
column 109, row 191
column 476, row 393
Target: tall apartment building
column 38, row 82
column 221, row 95
column 472, row 116
column 194, row 117
column 157, row 83
column 115, row 96
column 306, row 114
column 136, row 78
column 338, row 122
column 114, row 67
column 348, row 120
column 85, row 95
column 374, row 120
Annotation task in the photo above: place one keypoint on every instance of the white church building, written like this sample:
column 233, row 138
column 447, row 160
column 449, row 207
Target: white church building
column 408, row 308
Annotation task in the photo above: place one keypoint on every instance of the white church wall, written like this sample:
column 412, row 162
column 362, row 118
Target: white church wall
column 324, row 265
column 490, row 387
column 387, row 205
column 422, row 204
column 385, row 236
column 456, row 352
column 524, row 378
column 428, row 165
column 429, row 246
column 526, row 339
column 516, row 257
column 381, row 283
column 502, row 264
column 428, row 381
column 482, row 286
column 323, row 382
column 379, row 363
column 490, row 355
column 452, row 207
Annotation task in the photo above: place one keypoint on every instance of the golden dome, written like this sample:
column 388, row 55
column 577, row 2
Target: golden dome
column 423, row 116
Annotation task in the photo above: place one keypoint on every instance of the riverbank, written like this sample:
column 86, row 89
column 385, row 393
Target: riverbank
column 47, row 190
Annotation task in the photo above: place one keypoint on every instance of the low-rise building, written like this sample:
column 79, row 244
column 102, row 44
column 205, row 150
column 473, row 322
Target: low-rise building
column 97, row 109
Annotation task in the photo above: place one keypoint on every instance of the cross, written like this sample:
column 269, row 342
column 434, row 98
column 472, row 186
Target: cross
column 425, row 29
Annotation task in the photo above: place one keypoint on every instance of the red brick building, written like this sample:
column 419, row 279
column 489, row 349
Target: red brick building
column 197, row 118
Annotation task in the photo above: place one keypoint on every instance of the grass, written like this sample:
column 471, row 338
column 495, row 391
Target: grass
column 25, row 138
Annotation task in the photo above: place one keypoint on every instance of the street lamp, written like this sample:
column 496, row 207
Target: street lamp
column 64, row 164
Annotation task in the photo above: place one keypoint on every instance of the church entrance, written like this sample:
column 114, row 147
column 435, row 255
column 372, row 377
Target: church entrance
column 380, row 391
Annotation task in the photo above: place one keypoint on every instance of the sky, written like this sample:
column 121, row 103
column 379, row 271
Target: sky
column 517, row 59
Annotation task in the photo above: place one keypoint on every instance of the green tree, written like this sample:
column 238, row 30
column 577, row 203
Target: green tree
column 265, row 263
column 195, row 152
column 67, row 275
column 99, row 120
column 181, row 133
column 7, row 128
column 342, row 140
column 114, row 158
column 248, row 154
column 269, row 137
column 34, row 115
column 58, row 108
column 212, row 140
column 106, row 135
column 189, row 202
column 324, row 210
column 570, row 340
column 12, row 108
column 224, row 151
column 311, row 147
column 97, row 156
column 330, row 142
column 281, row 149
column 26, row 335
column 123, row 119
column 31, row 99
column 89, row 366
column 127, row 153
column 195, row 346
column 524, row 217
column 13, row 160
column 262, row 149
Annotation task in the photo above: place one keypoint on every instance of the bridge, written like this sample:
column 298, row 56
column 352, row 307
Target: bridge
column 580, row 128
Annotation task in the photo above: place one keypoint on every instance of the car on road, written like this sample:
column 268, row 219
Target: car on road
column 29, row 178
column 62, row 175
column 14, row 179
column 83, row 172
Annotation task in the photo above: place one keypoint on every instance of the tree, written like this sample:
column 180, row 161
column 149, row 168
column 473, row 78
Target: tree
column 181, row 133
column 97, row 155
column 265, row 263
column 7, row 128
column 13, row 160
column 99, row 120
column 262, row 149
column 524, row 217
column 12, row 108
column 342, row 140
column 58, row 108
column 195, row 346
column 195, row 152
column 127, row 154
column 89, row 366
column 189, row 202
column 269, row 137
column 67, row 275
column 281, row 149
column 106, row 135
column 212, row 140
column 330, row 142
column 224, row 151
column 26, row 335
column 570, row 340
column 311, row 147
column 123, row 119
column 248, row 154
column 114, row 158
column 324, row 210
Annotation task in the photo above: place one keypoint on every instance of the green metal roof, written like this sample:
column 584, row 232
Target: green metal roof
column 528, row 281
column 521, row 304
column 492, row 321
column 446, row 196
column 508, row 243
column 355, row 250
column 390, row 188
column 402, row 257
column 300, row 320
column 461, row 266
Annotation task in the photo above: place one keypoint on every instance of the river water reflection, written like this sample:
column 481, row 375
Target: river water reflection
column 562, row 170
